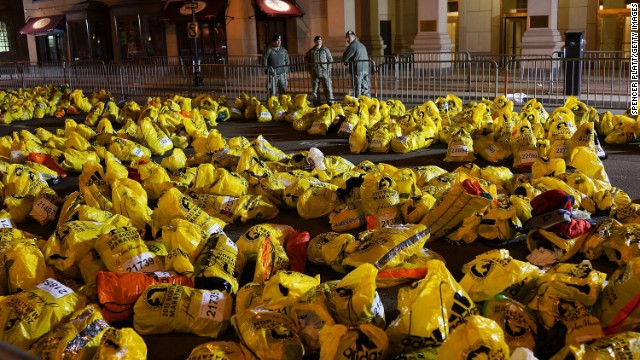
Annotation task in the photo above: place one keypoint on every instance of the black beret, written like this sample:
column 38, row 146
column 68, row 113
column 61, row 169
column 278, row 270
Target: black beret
column 318, row 37
column 350, row 32
column 275, row 37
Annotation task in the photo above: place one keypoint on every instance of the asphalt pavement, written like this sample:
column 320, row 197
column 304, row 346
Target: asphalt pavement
column 622, row 167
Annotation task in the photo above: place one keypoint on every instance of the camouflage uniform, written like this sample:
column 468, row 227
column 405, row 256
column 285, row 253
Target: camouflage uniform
column 357, row 58
column 319, row 59
column 276, row 57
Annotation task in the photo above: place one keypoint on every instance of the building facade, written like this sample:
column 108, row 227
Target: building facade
column 129, row 30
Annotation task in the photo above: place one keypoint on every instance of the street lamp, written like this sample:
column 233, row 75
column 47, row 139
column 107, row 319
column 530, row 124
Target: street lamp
column 193, row 32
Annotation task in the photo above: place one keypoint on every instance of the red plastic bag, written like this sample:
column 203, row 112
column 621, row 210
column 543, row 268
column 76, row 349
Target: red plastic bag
column 296, row 249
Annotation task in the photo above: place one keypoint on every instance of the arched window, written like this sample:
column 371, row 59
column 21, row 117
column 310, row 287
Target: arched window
column 4, row 37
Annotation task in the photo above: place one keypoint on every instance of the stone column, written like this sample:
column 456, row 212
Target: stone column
column 406, row 25
column 432, row 27
column 542, row 37
column 241, row 29
column 370, row 28
column 339, row 18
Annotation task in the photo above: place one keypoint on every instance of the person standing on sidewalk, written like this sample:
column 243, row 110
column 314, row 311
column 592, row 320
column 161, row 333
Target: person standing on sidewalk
column 357, row 58
column 319, row 61
column 275, row 60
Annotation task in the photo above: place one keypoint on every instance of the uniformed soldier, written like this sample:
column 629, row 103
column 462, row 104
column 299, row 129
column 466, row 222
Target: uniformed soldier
column 319, row 59
column 275, row 59
column 357, row 58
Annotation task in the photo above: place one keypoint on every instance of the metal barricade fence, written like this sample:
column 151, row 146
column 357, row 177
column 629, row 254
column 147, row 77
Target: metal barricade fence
column 418, row 81
column 39, row 74
column 605, row 82
column 10, row 77
column 438, row 56
column 231, row 80
column 159, row 80
column 92, row 77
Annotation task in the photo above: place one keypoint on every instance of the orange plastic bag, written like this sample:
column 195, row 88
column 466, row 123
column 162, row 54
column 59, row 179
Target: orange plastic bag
column 118, row 292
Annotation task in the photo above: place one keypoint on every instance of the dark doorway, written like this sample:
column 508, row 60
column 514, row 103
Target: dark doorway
column 51, row 48
column 385, row 34
column 266, row 28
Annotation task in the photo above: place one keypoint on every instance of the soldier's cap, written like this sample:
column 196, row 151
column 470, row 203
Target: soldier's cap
column 349, row 33
column 276, row 37
column 318, row 37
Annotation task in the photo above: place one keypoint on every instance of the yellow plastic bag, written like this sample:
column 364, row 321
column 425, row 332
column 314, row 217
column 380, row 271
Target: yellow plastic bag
column 329, row 249
column 363, row 341
column 71, row 242
column 587, row 161
column 318, row 201
column 416, row 207
column 388, row 246
column 493, row 272
column 617, row 305
column 21, row 180
column 27, row 316
column 173, row 204
column 378, row 191
column 155, row 139
column 127, row 150
column 230, row 209
column 622, row 245
column 94, row 187
column 166, row 308
column 215, row 267
column 78, row 337
column 347, row 216
column 460, row 147
column 429, row 309
column 251, row 167
column 130, row 199
column 311, row 313
column 453, row 207
column 123, row 250
column 354, row 299
column 477, row 336
column 22, row 265
column 358, row 138
column 283, row 290
column 322, row 121
column 625, row 345
column 517, row 322
column 263, row 243
column 501, row 222
column 267, row 334
column 219, row 350
column 89, row 213
column 267, row 151
column 121, row 344
column 467, row 232
column 548, row 167
column 413, row 268
column 381, row 138
column 489, row 149
column 523, row 145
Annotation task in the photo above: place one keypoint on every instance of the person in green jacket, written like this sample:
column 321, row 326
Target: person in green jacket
column 357, row 58
column 275, row 60
column 319, row 61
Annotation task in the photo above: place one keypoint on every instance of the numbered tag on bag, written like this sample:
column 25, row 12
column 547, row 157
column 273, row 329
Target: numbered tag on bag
column 144, row 262
column 55, row 288
column 213, row 305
